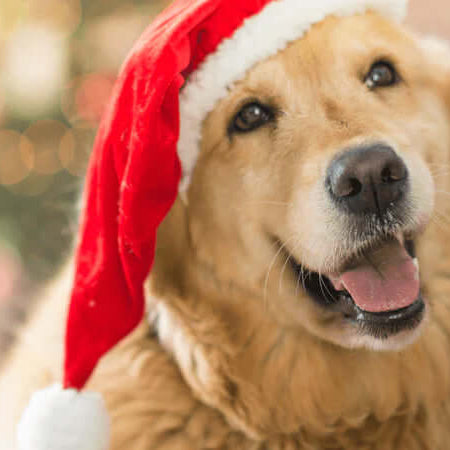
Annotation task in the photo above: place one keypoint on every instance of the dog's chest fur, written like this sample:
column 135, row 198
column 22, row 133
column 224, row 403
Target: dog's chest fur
column 154, row 408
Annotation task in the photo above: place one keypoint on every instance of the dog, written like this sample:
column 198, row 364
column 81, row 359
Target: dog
column 322, row 185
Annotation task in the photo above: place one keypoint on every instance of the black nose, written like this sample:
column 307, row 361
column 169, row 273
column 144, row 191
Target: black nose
column 367, row 179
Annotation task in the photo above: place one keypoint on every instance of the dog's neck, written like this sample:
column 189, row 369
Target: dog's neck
column 268, row 379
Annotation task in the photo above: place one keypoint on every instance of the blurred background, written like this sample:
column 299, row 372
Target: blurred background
column 58, row 62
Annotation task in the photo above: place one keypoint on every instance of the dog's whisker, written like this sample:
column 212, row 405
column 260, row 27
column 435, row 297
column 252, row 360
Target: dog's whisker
column 246, row 205
column 294, row 249
column 443, row 192
column 323, row 284
column 438, row 165
column 280, row 279
column 443, row 216
column 438, row 222
column 441, row 212
column 440, row 172
column 271, row 266
column 300, row 278
column 269, row 202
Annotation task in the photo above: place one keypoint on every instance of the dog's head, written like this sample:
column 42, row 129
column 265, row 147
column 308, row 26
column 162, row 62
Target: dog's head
column 314, row 183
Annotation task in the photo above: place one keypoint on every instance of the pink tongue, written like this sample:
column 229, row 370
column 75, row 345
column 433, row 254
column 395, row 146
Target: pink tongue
column 386, row 280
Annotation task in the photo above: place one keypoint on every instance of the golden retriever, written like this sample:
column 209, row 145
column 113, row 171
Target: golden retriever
column 323, row 172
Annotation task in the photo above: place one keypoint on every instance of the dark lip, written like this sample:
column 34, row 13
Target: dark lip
column 386, row 324
column 379, row 325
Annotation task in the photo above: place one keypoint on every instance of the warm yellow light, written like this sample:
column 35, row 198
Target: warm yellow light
column 46, row 136
column 34, row 68
column 11, row 14
column 61, row 15
column 16, row 157
column 75, row 149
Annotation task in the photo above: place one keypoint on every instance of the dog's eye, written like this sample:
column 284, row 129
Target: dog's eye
column 381, row 74
column 251, row 117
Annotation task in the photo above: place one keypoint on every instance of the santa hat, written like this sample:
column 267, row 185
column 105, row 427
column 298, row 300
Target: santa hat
column 148, row 142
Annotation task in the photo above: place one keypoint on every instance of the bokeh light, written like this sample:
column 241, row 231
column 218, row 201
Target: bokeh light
column 58, row 62
column 63, row 16
column 46, row 136
column 102, row 48
column 33, row 71
column 16, row 156
column 85, row 98
column 92, row 96
column 75, row 149
column 12, row 13
column 10, row 270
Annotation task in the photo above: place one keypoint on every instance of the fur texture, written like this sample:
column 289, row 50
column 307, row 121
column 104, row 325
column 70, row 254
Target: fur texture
column 234, row 355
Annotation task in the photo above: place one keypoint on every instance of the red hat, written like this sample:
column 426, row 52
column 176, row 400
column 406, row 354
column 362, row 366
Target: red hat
column 147, row 143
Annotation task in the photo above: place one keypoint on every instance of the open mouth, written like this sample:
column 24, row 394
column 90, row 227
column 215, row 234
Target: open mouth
column 379, row 290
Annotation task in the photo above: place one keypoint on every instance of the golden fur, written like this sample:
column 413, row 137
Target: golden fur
column 236, row 357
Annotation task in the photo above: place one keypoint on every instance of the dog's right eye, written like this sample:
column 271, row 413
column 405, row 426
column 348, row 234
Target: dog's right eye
column 381, row 74
column 252, row 116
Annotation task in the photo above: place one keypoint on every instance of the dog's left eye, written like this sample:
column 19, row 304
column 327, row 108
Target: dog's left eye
column 252, row 116
column 381, row 74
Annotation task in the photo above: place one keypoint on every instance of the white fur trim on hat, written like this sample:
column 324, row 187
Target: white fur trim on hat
column 58, row 419
column 260, row 37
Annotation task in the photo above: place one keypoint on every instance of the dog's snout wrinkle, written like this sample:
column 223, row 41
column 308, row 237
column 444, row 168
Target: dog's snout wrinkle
column 367, row 179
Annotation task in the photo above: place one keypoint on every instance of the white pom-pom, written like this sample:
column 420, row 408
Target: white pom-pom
column 58, row 419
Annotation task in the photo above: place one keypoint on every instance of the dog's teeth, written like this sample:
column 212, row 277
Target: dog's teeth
column 416, row 263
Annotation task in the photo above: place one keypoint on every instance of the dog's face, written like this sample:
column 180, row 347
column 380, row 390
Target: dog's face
column 314, row 184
